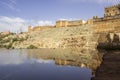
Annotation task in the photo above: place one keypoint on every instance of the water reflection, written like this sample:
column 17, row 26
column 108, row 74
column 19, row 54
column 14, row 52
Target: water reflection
column 12, row 57
column 48, row 64
column 73, row 57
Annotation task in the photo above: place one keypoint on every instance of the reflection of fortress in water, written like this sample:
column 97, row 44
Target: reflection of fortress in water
column 90, row 59
column 109, row 23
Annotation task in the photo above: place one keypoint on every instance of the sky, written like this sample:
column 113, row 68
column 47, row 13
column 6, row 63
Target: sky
column 16, row 15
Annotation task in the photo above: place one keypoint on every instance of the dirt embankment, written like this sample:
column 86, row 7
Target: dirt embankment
column 67, row 37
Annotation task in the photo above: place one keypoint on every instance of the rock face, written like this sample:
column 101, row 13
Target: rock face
column 66, row 37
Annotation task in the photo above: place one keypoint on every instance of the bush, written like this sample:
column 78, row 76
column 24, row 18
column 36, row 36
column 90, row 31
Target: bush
column 9, row 46
column 31, row 47
column 14, row 39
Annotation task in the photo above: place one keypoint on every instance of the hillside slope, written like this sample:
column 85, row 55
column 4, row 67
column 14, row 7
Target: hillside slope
column 65, row 37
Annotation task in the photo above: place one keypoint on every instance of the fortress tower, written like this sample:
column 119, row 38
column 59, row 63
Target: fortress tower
column 112, row 11
column 29, row 28
column 62, row 23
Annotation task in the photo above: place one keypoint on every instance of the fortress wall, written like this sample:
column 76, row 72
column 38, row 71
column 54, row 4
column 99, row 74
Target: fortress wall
column 38, row 28
column 75, row 23
column 107, row 25
column 62, row 23
column 65, row 23
column 89, row 21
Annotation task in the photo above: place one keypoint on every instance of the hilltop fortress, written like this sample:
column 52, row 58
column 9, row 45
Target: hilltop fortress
column 109, row 23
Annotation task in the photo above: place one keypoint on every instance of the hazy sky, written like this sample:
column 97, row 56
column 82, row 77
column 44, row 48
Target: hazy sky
column 18, row 14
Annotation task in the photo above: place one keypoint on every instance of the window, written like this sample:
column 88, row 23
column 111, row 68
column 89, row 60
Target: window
column 107, row 11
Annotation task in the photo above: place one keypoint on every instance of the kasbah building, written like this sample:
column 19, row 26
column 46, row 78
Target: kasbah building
column 110, row 22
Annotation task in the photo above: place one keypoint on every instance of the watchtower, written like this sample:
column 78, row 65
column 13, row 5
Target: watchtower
column 112, row 11
column 29, row 28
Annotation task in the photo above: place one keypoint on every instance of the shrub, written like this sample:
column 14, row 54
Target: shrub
column 14, row 39
column 9, row 46
column 31, row 47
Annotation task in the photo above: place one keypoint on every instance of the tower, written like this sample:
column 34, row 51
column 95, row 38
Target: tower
column 112, row 8
column 62, row 23
column 29, row 28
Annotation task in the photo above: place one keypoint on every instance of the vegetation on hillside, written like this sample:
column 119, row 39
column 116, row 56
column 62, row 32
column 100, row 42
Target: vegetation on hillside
column 31, row 47
column 6, row 41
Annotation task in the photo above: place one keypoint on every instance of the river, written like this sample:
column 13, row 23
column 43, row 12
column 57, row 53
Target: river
column 48, row 64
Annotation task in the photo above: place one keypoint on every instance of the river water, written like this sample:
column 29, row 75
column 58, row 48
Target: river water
column 47, row 64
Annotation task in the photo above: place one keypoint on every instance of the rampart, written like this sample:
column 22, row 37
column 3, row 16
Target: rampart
column 39, row 28
column 109, row 23
column 62, row 23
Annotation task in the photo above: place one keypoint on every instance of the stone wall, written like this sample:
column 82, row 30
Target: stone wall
column 112, row 10
column 39, row 28
column 66, row 23
column 105, row 24
column 61, row 23
column 109, row 24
